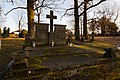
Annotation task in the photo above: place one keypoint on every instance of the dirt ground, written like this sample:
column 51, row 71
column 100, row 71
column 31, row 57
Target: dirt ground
column 63, row 56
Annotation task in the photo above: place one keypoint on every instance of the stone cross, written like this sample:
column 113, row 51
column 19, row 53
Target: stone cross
column 51, row 16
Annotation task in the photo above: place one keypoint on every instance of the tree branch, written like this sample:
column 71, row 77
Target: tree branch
column 70, row 9
column 116, row 16
column 42, row 2
column 14, row 9
column 42, row 5
column 63, row 1
column 66, row 12
column 10, row 1
column 92, row 6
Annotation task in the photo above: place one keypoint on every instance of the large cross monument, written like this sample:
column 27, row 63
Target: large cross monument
column 52, row 38
column 51, row 16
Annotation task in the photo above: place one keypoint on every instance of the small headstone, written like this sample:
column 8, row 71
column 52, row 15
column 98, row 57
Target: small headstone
column 92, row 37
column 82, row 39
column 70, row 38
column 109, row 53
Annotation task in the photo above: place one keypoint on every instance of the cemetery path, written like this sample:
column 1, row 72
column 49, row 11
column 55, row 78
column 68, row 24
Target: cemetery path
column 63, row 56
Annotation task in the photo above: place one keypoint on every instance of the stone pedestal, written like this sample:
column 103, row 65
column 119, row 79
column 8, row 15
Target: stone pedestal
column 109, row 53
column 51, row 38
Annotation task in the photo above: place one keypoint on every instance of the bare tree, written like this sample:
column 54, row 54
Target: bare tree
column 20, row 19
column 30, row 12
column 2, row 18
column 38, row 10
column 0, row 10
column 77, row 36
column 105, row 20
column 0, row 25
column 41, row 5
column 110, row 15
column 85, row 2
column 109, row 12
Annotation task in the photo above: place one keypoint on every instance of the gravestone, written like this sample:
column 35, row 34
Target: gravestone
column 109, row 53
column 51, row 33
column 43, row 37
column 69, row 40
column 60, row 34
column 92, row 36
column 51, row 16
column 41, row 33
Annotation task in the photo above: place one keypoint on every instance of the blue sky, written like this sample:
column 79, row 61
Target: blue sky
column 10, row 18
column 11, row 22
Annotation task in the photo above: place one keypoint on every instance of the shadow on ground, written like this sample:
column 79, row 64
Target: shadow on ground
column 63, row 56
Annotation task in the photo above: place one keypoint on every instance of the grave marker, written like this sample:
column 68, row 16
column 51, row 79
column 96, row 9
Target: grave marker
column 44, row 37
column 51, row 16
column 41, row 34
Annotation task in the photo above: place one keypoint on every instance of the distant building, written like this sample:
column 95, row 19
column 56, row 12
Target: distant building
column 16, row 32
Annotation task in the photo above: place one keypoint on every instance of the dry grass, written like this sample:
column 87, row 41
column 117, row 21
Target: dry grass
column 8, row 46
column 95, row 46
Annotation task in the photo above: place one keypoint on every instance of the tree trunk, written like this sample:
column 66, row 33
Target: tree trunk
column 85, row 33
column 38, row 17
column 30, row 13
column 77, row 33
column 19, row 27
